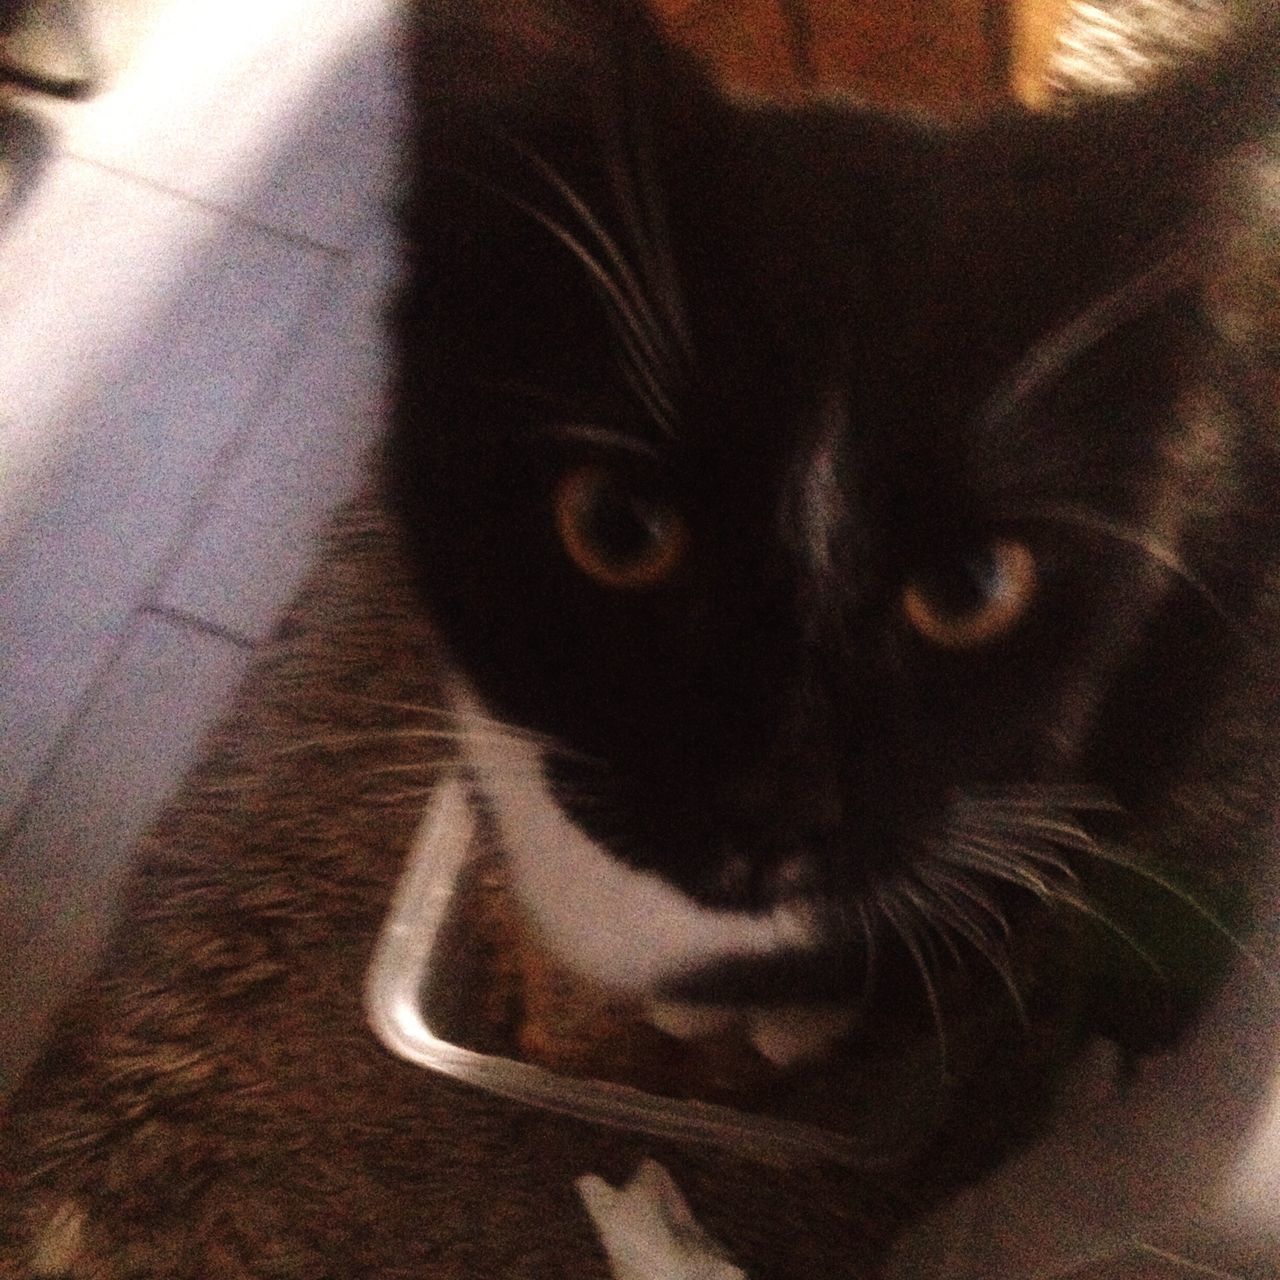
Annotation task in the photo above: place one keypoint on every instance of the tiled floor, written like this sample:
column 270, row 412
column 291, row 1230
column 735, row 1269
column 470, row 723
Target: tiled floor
column 191, row 275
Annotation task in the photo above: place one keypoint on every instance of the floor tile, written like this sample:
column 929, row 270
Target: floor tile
column 139, row 336
column 60, row 878
column 306, row 455
column 282, row 110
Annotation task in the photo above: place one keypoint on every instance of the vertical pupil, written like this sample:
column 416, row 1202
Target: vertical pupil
column 970, row 584
column 620, row 526
column 985, row 575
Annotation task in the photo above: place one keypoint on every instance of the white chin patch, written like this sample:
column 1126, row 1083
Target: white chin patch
column 627, row 930
column 786, row 1036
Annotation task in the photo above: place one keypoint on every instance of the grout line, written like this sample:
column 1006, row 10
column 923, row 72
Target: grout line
column 274, row 381
column 61, row 741
column 76, row 720
column 202, row 202
column 199, row 508
column 193, row 621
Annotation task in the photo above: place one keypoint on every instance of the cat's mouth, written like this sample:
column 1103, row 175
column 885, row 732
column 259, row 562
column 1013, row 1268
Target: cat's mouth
column 986, row 927
column 955, row 902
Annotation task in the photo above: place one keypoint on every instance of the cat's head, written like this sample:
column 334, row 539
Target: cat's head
column 812, row 488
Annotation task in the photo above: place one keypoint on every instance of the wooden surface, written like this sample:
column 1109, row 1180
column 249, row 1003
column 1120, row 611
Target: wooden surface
column 941, row 55
column 1033, row 29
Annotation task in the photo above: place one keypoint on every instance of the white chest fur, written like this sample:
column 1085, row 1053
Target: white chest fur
column 1184, row 1158
column 627, row 930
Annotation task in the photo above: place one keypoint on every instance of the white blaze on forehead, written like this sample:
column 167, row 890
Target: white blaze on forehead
column 625, row 929
column 819, row 501
column 821, row 509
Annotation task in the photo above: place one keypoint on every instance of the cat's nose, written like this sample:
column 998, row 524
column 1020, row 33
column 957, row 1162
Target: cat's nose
column 793, row 805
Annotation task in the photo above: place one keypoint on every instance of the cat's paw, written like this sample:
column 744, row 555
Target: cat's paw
column 649, row 1232
column 690, row 1021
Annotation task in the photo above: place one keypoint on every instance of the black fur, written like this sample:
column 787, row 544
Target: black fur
column 888, row 275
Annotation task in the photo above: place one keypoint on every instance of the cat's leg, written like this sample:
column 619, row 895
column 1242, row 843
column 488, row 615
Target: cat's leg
column 1123, row 1161
column 1039, row 1215
column 792, row 1036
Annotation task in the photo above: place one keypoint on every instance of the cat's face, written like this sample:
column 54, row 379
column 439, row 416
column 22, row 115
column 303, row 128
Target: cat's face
column 806, row 484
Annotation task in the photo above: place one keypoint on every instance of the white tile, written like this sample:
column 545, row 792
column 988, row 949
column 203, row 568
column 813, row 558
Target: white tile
column 283, row 110
column 85, row 264
column 138, row 336
column 114, row 30
column 306, row 455
column 60, row 879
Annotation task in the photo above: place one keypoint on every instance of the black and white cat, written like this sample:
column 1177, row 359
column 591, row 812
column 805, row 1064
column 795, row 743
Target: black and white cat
column 857, row 537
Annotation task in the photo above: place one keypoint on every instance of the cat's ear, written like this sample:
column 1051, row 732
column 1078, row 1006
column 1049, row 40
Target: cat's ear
column 1139, row 163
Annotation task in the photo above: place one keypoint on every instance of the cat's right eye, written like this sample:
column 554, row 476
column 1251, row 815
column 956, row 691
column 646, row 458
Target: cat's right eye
column 976, row 599
column 615, row 532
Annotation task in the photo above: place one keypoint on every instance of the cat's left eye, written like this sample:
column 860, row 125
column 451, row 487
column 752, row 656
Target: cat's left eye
column 975, row 599
column 616, row 532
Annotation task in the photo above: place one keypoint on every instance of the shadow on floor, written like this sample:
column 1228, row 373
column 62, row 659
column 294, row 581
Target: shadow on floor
column 24, row 147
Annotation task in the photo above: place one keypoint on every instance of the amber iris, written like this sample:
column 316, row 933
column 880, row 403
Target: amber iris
column 615, row 532
column 977, row 602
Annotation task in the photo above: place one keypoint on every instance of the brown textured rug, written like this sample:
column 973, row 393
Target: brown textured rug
column 215, row 1106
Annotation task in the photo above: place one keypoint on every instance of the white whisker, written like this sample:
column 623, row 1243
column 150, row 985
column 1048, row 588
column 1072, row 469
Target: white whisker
column 1038, row 797
column 413, row 795
column 1139, row 539
column 657, row 237
column 1006, row 866
column 421, row 767
column 455, row 764
column 647, row 387
column 1082, row 905
column 1246, row 953
column 376, row 737
column 1013, row 844
column 1047, row 360
column 632, row 332
column 888, row 910
column 957, row 901
column 869, row 936
column 615, row 255
column 590, row 433
column 1187, row 1264
column 444, row 712
column 937, row 879
column 927, row 913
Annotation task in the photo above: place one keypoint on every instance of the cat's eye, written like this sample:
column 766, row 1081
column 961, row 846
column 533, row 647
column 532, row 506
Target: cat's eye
column 975, row 600
column 614, row 531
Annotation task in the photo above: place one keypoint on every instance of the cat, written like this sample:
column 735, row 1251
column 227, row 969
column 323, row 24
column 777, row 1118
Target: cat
column 854, row 535
column 861, row 517
column 729, row 615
